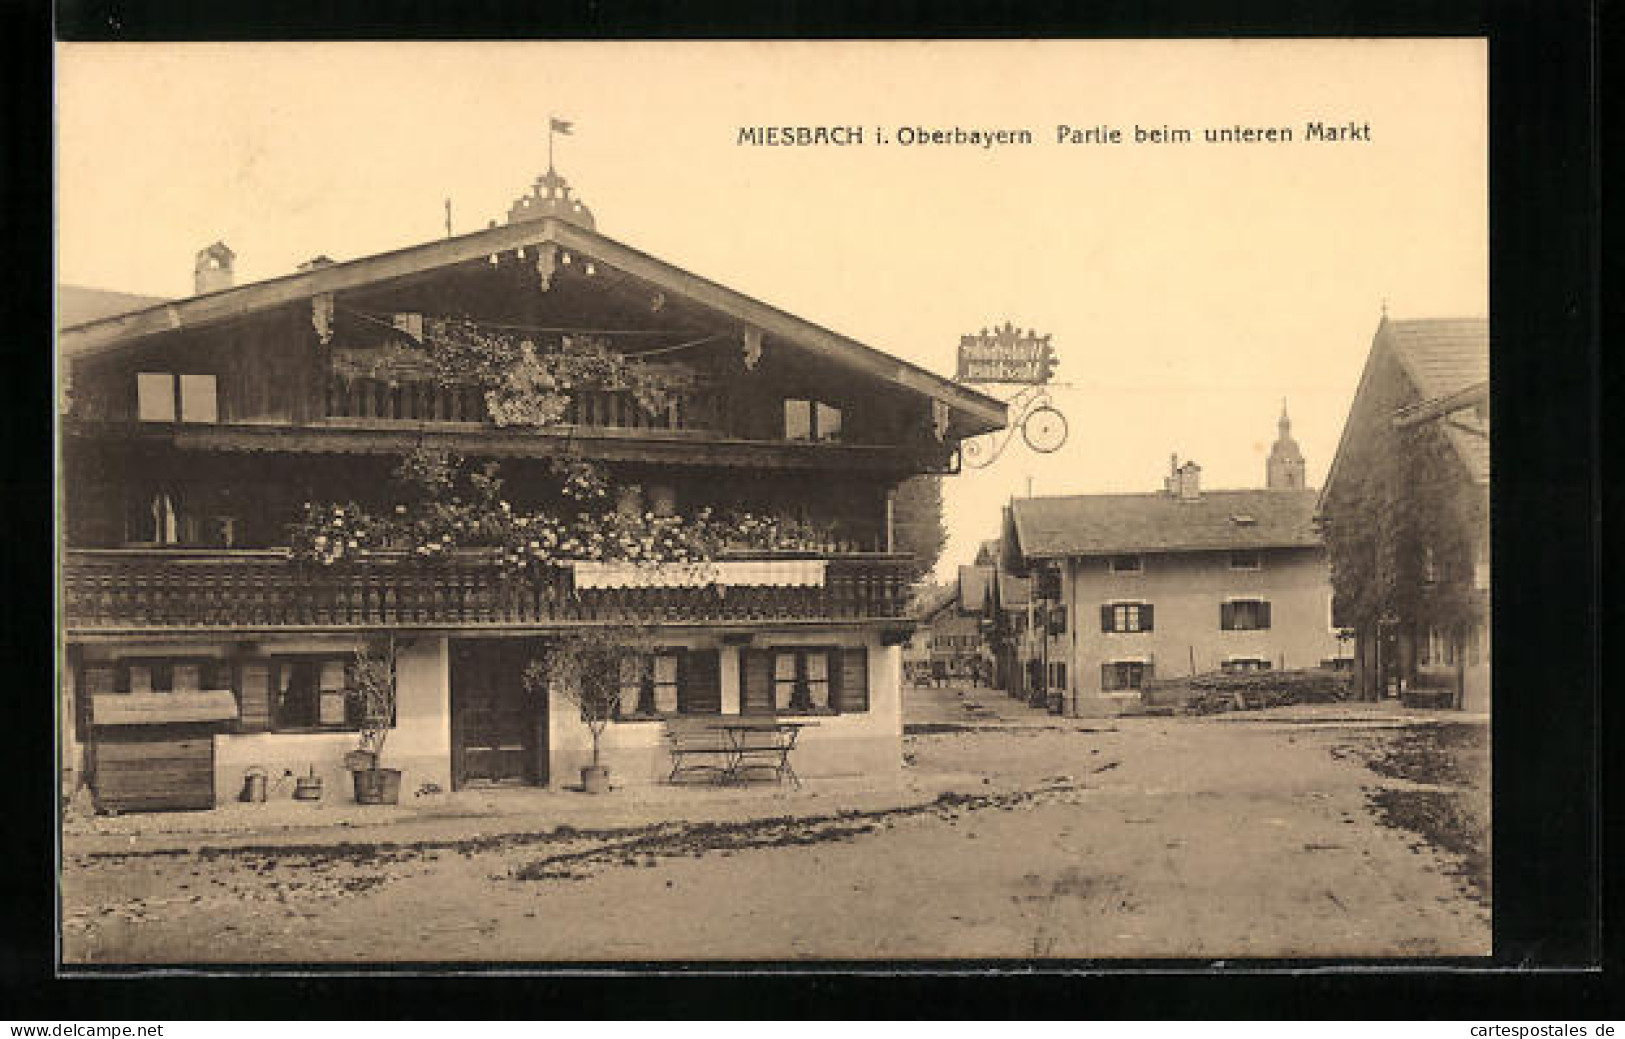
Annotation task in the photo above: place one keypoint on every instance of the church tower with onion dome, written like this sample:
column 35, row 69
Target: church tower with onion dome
column 1284, row 470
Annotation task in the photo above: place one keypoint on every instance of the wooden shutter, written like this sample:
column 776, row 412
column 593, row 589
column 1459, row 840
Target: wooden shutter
column 699, row 686
column 1263, row 615
column 756, row 692
column 1227, row 616
column 1146, row 618
column 1106, row 617
column 850, row 673
column 254, row 696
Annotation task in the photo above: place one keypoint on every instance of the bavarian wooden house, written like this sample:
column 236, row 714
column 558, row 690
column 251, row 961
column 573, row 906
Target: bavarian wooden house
column 464, row 449
column 1406, row 513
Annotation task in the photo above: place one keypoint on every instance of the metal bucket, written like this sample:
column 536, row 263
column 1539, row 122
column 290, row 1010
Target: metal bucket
column 308, row 788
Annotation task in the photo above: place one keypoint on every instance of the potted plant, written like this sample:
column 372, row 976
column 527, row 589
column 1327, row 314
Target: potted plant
column 374, row 688
column 586, row 668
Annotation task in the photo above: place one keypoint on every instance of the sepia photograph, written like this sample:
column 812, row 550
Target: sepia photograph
column 772, row 502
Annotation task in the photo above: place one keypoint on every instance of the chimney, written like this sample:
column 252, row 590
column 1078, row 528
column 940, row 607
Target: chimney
column 1170, row 483
column 212, row 270
column 1188, row 482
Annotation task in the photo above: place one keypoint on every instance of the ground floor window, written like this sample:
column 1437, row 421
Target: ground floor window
column 314, row 693
column 1439, row 649
column 667, row 682
column 800, row 679
column 1123, row 675
column 1057, row 675
column 1237, row 665
column 814, row 680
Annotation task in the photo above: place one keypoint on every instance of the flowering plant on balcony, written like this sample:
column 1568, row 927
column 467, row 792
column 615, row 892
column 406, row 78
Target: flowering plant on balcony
column 448, row 511
column 531, row 383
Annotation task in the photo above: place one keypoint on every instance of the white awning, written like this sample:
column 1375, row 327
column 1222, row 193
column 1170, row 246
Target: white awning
column 803, row 573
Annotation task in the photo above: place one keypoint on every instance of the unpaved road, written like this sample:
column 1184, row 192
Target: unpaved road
column 1209, row 838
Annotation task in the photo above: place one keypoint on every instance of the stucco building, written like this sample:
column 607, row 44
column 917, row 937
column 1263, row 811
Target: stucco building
column 1174, row 582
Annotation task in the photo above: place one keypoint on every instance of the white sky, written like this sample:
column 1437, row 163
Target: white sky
column 1187, row 288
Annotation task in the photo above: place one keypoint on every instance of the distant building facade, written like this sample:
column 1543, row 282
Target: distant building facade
column 1184, row 581
column 948, row 644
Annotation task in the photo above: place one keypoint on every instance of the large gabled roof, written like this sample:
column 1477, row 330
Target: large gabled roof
column 1442, row 358
column 975, row 587
column 1108, row 524
column 81, row 305
column 973, row 412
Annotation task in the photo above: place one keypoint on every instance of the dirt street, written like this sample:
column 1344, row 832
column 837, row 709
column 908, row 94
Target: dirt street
column 1297, row 832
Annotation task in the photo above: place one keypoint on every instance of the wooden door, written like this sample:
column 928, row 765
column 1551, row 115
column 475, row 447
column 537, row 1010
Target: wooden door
column 498, row 730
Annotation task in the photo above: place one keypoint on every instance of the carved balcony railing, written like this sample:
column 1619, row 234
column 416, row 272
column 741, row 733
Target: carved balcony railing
column 374, row 400
column 136, row 590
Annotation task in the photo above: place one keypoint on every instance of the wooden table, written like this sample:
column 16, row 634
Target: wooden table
column 761, row 744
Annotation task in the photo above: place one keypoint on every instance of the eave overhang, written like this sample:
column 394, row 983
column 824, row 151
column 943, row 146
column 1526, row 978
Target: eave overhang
column 973, row 413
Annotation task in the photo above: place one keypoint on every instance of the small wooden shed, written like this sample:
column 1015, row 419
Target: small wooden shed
column 155, row 751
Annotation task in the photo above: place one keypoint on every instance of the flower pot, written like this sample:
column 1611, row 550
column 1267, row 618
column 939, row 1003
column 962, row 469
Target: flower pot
column 356, row 760
column 377, row 786
column 595, row 779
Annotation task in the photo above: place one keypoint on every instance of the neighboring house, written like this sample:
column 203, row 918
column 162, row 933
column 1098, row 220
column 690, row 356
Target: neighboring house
column 204, row 433
column 1177, row 582
column 932, row 602
column 1009, row 626
column 947, row 643
column 1405, row 512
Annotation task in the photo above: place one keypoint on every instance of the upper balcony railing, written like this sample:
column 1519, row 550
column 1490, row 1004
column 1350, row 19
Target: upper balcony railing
column 171, row 590
column 427, row 401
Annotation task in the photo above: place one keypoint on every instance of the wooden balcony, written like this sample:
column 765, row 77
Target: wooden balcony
column 375, row 400
column 171, row 591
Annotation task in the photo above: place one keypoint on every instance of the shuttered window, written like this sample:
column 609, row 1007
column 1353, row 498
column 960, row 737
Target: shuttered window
column 667, row 682
column 852, row 691
column 756, row 696
column 254, row 696
column 1244, row 615
column 805, row 680
column 698, row 682
column 1127, row 617
column 1057, row 620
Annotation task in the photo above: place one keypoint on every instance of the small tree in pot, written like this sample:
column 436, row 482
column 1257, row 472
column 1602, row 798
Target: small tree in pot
column 587, row 668
column 373, row 684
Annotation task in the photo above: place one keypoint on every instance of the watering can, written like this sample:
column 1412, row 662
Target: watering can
column 254, row 782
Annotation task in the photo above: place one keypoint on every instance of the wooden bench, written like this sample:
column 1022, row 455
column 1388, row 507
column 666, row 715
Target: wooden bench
column 697, row 746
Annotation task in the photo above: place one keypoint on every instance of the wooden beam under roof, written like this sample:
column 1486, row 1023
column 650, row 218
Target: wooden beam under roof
column 979, row 413
column 1427, row 410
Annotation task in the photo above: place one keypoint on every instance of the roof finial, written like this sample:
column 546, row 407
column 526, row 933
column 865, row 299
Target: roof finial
column 1385, row 308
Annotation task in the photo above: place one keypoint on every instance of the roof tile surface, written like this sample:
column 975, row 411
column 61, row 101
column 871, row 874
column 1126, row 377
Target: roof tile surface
column 1101, row 524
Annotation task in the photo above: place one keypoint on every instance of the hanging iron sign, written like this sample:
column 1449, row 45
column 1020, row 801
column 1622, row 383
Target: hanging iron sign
column 1006, row 355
